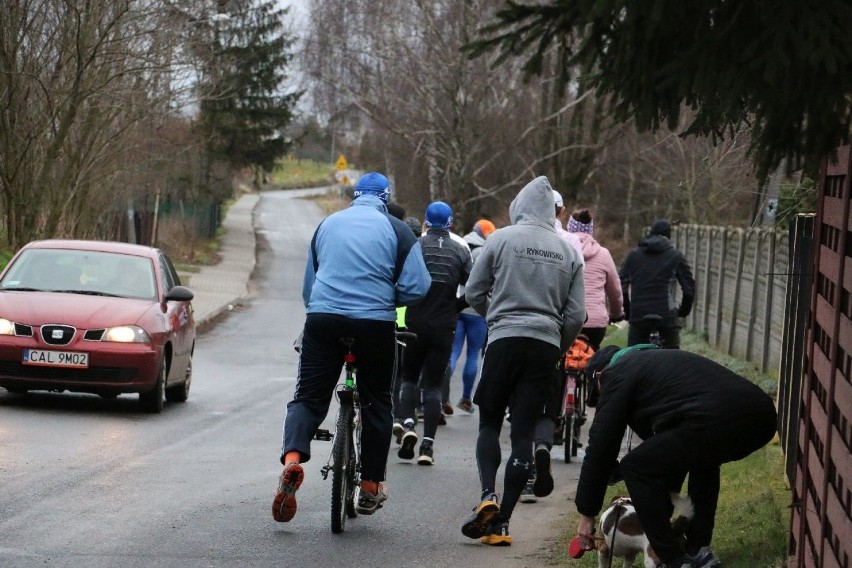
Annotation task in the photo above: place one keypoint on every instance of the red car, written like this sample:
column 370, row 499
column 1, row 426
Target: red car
column 98, row 317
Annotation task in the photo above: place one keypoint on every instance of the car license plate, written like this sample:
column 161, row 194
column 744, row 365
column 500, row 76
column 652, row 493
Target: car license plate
column 74, row 359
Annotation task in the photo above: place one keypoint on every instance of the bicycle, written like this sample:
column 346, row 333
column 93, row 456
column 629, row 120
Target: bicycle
column 654, row 321
column 572, row 413
column 344, row 462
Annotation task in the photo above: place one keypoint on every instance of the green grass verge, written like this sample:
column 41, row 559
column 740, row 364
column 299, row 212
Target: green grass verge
column 290, row 173
column 753, row 516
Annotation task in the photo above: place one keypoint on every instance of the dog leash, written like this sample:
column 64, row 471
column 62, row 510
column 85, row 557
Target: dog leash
column 620, row 508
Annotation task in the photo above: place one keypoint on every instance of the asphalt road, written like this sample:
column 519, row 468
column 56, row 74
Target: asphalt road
column 86, row 481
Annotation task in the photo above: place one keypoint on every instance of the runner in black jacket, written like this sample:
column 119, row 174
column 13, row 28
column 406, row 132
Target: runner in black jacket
column 433, row 319
column 693, row 415
column 647, row 275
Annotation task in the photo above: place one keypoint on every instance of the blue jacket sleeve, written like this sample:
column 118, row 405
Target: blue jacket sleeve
column 414, row 280
column 310, row 277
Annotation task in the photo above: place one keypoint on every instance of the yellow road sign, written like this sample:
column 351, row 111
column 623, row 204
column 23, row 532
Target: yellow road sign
column 341, row 163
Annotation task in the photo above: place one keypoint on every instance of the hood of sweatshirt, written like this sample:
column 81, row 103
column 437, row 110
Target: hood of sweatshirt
column 655, row 244
column 474, row 239
column 534, row 205
column 590, row 246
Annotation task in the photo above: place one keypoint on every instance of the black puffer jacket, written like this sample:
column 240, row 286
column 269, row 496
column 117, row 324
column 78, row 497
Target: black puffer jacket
column 647, row 275
column 449, row 265
column 655, row 390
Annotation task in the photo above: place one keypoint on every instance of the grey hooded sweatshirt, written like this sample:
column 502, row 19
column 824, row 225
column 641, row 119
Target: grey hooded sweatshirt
column 527, row 281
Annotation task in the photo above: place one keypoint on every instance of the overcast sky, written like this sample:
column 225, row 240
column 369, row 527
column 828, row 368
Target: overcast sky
column 298, row 8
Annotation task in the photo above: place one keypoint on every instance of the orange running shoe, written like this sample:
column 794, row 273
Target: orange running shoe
column 284, row 505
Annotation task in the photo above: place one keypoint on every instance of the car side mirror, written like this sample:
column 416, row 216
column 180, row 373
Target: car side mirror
column 179, row 294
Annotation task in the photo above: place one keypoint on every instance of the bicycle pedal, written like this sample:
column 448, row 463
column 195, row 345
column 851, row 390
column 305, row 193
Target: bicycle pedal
column 324, row 435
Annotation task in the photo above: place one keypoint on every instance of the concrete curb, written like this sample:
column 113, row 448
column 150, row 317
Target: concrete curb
column 218, row 288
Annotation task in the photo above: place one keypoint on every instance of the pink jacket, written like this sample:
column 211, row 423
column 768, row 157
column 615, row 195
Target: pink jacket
column 603, row 287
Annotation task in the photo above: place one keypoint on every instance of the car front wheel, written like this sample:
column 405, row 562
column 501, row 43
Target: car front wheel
column 152, row 401
column 179, row 393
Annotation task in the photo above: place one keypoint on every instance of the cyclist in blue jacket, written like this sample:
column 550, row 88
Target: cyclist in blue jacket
column 362, row 264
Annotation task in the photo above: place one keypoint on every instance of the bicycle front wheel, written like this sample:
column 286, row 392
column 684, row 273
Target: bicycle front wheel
column 340, row 474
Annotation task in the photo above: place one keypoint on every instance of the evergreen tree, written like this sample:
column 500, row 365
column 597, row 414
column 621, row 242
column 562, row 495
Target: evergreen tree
column 784, row 67
column 246, row 111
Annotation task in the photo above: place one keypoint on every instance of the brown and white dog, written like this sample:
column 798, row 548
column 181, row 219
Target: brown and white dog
column 623, row 535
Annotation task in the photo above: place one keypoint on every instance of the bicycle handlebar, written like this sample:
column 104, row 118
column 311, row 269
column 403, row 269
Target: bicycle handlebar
column 401, row 335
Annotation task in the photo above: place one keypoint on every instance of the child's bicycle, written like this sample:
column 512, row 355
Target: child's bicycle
column 344, row 463
column 572, row 414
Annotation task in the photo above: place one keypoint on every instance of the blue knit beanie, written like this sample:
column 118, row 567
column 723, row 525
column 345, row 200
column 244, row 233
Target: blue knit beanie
column 373, row 183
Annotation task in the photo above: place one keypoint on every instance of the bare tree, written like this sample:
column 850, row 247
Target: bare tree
column 77, row 78
column 639, row 177
column 451, row 128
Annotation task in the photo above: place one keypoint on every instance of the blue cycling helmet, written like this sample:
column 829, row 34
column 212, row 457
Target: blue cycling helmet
column 439, row 215
column 373, row 183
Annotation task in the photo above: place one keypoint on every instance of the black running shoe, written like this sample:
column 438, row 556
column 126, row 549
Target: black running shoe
column 398, row 431
column 528, row 494
column 409, row 440
column 543, row 485
column 425, row 457
column 476, row 525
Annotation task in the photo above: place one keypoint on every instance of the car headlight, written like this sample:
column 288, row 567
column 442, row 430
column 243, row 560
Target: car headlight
column 6, row 327
column 126, row 334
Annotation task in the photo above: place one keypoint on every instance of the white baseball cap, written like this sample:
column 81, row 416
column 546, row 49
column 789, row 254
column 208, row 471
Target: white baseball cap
column 557, row 199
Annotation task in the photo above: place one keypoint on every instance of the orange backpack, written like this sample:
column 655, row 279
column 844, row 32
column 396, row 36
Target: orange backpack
column 578, row 355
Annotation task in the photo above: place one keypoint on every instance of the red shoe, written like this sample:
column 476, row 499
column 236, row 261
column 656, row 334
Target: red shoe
column 284, row 505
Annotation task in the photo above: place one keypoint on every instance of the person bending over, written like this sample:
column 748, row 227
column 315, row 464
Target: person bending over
column 693, row 415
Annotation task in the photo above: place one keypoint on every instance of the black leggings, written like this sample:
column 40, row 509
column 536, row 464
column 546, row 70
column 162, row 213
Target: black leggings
column 516, row 374
column 429, row 355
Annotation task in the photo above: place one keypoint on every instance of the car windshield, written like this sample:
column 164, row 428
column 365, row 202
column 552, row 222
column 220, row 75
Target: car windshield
column 82, row 272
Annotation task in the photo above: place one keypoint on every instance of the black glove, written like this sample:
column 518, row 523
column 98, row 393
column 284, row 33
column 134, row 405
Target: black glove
column 461, row 303
column 617, row 319
column 683, row 312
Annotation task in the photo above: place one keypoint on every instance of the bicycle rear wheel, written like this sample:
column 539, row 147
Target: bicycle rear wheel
column 353, row 469
column 569, row 411
column 579, row 413
column 340, row 469
column 570, row 440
